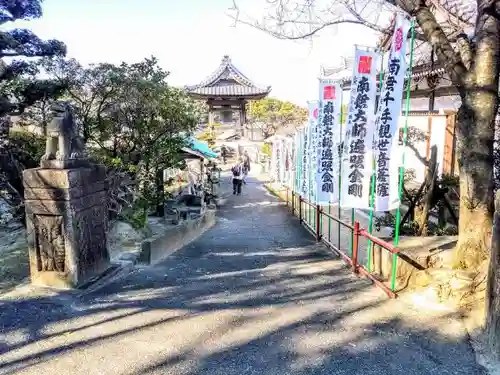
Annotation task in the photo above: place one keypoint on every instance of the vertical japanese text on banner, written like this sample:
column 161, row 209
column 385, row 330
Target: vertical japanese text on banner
column 357, row 153
column 386, row 140
column 329, row 141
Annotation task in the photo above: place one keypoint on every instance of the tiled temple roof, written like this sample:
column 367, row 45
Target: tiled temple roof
column 344, row 74
column 454, row 16
column 227, row 81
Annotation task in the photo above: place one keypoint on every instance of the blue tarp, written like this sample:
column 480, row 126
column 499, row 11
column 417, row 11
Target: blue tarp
column 202, row 147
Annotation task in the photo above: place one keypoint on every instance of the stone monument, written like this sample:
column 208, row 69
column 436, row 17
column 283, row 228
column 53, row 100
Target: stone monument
column 66, row 209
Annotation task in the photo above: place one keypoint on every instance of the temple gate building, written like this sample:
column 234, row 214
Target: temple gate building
column 226, row 92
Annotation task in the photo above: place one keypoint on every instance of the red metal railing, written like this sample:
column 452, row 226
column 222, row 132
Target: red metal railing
column 296, row 201
column 337, row 248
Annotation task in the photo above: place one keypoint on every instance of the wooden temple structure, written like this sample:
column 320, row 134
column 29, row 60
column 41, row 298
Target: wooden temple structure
column 226, row 92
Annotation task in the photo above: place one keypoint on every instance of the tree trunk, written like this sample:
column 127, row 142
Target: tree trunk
column 478, row 89
column 493, row 287
column 475, row 153
column 160, row 193
column 496, row 153
column 475, row 136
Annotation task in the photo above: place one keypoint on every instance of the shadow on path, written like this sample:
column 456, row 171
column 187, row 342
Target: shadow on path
column 253, row 295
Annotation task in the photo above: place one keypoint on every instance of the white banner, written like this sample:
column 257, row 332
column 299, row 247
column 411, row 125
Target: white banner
column 282, row 153
column 386, row 139
column 312, row 107
column 288, row 162
column 272, row 169
column 295, row 156
column 327, row 176
column 277, row 148
column 305, row 162
column 357, row 154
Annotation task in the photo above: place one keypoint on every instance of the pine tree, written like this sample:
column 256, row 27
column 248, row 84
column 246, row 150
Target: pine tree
column 19, row 86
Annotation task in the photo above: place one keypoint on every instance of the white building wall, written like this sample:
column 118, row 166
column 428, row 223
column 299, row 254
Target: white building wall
column 437, row 138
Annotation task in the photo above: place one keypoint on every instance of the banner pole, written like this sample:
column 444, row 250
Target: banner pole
column 402, row 167
column 372, row 182
column 301, row 164
column 309, row 198
column 352, row 234
column 299, row 168
column 308, row 159
column 297, row 161
column 295, row 158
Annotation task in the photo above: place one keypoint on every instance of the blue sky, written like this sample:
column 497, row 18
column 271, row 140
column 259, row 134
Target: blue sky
column 190, row 38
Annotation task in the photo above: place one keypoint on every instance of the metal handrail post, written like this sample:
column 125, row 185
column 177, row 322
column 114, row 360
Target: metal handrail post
column 355, row 242
column 318, row 223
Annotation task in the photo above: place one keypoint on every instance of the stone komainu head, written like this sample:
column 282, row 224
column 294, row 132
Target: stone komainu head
column 62, row 118
column 63, row 141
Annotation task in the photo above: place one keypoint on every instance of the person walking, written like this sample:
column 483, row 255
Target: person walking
column 237, row 171
column 192, row 180
column 223, row 152
column 246, row 166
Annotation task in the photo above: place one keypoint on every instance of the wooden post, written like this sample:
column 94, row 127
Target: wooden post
column 242, row 118
column 211, row 119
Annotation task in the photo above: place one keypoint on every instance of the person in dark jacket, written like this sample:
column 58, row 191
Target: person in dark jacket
column 223, row 153
column 237, row 172
column 246, row 166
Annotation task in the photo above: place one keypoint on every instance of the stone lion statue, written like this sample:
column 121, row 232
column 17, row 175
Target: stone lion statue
column 63, row 140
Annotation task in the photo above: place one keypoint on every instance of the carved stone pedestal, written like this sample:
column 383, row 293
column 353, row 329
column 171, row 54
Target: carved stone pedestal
column 66, row 217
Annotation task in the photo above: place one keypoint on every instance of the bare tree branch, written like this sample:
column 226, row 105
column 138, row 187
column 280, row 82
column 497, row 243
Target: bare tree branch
column 440, row 43
column 465, row 49
column 314, row 27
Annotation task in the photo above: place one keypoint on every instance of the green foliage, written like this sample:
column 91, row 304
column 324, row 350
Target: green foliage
column 202, row 108
column 137, row 214
column 24, row 150
column 411, row 228
column 19, row 86
column 28, row 147
column 272, row 114
column 450, row 181
column 131, row 118
column 129, row 106
column 266, row 149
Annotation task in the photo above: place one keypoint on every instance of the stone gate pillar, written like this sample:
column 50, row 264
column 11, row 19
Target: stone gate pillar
column 66, row 209
column 66, row 218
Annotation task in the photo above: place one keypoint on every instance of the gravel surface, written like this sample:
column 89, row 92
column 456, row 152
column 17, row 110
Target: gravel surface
column 253, row 295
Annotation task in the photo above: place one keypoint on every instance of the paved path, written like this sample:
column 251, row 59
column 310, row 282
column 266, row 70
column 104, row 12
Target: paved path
column 253, row 295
